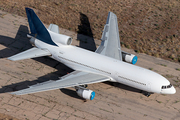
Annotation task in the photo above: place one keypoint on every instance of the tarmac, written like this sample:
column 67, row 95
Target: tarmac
column 112, row 101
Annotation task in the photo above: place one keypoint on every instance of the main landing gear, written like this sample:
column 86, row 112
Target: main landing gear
column 147, row 94
column 85, row 86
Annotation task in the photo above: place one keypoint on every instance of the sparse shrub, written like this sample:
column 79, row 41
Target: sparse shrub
column 132, row 23
column 168, row 49
column 137, row 51
column 127, row 46
column 158, row 101
column 157, row 28
column 164, row 40
column 171, row 37
column 122, row 43
column 136, row 40
column 179, row 59
column 150, row 68
column 163, row 65
column 169, row 76
column 172, row 57
column 156, row 55
column 155, row 15
column 178, row 69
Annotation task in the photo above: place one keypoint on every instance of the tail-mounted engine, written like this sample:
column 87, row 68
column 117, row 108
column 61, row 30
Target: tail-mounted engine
column 130, row 58
column 85, row 93
column 59, row 38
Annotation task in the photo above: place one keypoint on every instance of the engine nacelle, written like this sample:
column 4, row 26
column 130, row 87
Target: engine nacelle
column 85, row 93
column 32, row 41
column 130, row 58
column 59, row 38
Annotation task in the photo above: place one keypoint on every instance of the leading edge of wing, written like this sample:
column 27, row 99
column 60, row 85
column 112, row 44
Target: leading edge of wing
column 75, row 78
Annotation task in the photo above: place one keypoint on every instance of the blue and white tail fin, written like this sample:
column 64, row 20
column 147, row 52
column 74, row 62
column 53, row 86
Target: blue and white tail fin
column 37, row 28
column 39, row 31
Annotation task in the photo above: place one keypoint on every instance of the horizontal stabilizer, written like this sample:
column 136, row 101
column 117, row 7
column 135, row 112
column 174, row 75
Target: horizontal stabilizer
column 31, row 53
column 54, row 28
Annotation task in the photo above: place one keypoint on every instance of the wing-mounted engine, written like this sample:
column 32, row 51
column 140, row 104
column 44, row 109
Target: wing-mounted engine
column 130, row 58
column 59, row 38
column 85, row 93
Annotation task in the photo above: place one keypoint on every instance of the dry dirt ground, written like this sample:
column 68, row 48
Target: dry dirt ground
column 112, row 101
column 151, row 26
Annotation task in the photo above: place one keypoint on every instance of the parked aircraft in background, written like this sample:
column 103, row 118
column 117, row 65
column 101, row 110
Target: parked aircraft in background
column 107, row 63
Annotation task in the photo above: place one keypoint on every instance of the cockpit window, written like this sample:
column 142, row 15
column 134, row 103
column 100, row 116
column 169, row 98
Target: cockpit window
column 164, row 87
column 169, row 86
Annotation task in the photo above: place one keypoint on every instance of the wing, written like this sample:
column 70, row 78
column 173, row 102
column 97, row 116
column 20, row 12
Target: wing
column 53, row 28
column 70, row 80
column 31, row 53
column 110, row 45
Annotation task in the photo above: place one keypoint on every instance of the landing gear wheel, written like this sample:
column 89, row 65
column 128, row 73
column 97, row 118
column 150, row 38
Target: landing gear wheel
column 148, row 94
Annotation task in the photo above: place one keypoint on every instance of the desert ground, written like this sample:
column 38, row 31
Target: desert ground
column 113, row 100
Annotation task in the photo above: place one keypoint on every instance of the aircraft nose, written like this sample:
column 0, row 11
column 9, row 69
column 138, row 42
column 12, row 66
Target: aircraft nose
column 173, row 90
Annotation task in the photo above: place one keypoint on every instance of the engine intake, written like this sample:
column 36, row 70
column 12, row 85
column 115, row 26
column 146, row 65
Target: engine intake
column 85, row 93
column 130, row 58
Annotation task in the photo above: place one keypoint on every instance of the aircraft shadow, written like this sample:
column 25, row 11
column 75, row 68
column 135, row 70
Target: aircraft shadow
column 126, row 87
column 25, row 84
column 122, row 86
column 84, row 30
column 71, row 93
column 15, row 45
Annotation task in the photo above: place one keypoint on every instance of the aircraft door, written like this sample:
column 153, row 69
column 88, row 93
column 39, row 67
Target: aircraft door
column 149, row 86
column 118, row 78
column 115, row 76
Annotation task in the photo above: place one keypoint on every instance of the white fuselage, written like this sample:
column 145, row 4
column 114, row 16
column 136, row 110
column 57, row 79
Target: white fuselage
column 118, row 71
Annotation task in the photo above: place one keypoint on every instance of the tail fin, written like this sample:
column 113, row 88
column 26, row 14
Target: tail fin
column 37, row 28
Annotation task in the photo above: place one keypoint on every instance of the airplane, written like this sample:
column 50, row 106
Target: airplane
column 107, row 63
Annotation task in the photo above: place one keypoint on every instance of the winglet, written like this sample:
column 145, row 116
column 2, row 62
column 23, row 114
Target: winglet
column 37, row 28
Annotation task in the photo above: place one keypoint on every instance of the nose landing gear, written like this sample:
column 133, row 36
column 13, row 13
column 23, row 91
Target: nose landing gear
column 147, row 94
